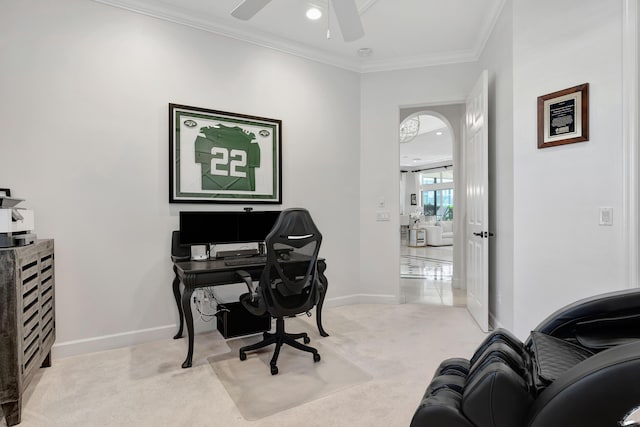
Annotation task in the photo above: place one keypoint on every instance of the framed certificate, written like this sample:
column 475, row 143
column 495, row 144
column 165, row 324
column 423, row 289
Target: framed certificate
column 563, row 117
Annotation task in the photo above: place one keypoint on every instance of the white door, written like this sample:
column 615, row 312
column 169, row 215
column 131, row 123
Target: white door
column 477, row 172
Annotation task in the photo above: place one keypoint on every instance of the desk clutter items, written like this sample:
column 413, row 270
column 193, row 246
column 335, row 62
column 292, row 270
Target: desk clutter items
column 16, row 224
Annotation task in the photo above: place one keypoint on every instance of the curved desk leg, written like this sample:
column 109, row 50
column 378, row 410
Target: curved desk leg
column 188, row 316
column 323, row 279
column 176, row 294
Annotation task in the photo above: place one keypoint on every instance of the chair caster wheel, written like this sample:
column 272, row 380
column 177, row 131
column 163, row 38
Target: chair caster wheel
column 243, row 355
column 274, row 370
column 306, row 340
column 316, row 357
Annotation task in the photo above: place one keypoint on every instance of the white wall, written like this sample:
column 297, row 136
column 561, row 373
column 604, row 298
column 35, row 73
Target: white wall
column 85, row 89
column 84, row 108
column 560, row 252
column 497, row 58
column 382, row 96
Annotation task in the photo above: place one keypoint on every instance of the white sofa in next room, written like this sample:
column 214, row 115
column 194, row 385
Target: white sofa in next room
column 440, row 233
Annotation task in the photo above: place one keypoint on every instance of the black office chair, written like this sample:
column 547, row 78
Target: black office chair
column 289, row 283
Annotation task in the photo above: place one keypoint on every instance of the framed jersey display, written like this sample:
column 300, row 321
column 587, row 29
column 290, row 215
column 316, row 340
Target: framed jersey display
column 222, row 157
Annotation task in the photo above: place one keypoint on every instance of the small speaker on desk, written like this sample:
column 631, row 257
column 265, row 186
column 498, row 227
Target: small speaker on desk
column 199, row 252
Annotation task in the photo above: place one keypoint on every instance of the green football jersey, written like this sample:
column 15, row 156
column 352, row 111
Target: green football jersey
column 228, row 158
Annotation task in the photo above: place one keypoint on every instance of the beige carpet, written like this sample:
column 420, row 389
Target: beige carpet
column 258, row 394
column 399, row 346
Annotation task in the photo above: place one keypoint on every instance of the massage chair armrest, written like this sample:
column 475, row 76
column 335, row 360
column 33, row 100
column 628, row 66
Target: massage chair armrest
column 600, row 391
column 441, row 402
column 496, row 396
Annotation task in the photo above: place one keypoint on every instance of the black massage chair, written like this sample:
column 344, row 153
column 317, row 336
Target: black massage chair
column 579, row 368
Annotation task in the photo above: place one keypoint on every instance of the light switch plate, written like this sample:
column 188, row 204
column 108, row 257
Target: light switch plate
column 383, row 216
column 606, row 216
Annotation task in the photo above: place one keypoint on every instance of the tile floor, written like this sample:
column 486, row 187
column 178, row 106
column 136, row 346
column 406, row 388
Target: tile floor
column 425, row 276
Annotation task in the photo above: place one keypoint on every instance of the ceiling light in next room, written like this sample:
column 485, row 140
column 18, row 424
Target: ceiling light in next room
column 439, row 133
column 365, row 52
column 314, row 13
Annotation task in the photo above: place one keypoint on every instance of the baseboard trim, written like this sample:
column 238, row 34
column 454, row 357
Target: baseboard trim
column 126, row 339
column 110, row 342
column 494, row 322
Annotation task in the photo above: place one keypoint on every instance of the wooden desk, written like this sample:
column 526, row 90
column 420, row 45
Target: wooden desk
column 202, row 274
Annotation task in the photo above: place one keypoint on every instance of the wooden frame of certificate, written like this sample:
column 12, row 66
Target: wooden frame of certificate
column 563, row 117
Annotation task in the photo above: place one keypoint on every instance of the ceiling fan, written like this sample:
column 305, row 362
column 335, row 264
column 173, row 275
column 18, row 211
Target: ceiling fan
column 346, row 11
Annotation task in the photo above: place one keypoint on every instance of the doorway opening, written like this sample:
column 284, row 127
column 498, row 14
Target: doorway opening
column 428, row 205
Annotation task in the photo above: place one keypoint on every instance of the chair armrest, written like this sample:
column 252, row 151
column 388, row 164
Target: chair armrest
column 599, row 391
column 246, row 278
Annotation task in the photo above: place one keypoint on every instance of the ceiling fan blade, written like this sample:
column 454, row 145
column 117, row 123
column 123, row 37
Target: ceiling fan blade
column 348, row 19
column 248, row 8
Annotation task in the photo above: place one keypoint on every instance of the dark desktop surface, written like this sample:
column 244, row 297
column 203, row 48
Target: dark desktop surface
column 222, row 264
column 259, row 259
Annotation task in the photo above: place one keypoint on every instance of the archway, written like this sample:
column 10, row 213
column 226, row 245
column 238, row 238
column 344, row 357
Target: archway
column 427, row 208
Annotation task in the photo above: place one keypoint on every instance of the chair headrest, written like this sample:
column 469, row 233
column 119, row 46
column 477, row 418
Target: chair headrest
column 293, row 225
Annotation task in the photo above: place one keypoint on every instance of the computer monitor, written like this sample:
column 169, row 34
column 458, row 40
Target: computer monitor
column 201, row 228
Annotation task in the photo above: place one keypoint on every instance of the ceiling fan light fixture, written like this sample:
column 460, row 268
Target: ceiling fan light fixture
column 314, row 13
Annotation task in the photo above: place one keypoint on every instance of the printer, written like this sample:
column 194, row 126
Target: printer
column 16, row 224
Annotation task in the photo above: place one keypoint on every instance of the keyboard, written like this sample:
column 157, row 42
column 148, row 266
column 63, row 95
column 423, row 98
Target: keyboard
column 246, row 261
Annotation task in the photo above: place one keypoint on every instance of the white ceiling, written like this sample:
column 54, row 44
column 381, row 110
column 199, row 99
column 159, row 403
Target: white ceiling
column 432, row 146
column 402, row 33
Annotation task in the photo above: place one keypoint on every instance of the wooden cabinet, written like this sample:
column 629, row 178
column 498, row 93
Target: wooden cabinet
column 27, row 320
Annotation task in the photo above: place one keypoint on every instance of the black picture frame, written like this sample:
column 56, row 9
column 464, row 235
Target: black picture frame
column 223, row 157
column 5, row 192
column 414, row 200
column 563, row 117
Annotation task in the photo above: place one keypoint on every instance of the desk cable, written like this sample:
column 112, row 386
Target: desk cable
column 208, row 296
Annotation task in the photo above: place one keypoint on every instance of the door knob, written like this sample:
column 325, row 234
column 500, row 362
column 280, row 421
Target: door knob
column 484, row 234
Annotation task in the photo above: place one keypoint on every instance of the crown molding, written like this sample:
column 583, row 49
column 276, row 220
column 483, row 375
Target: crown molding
column 487, row 29
column 270, row 41
column 408, row 62
column 216, row 27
